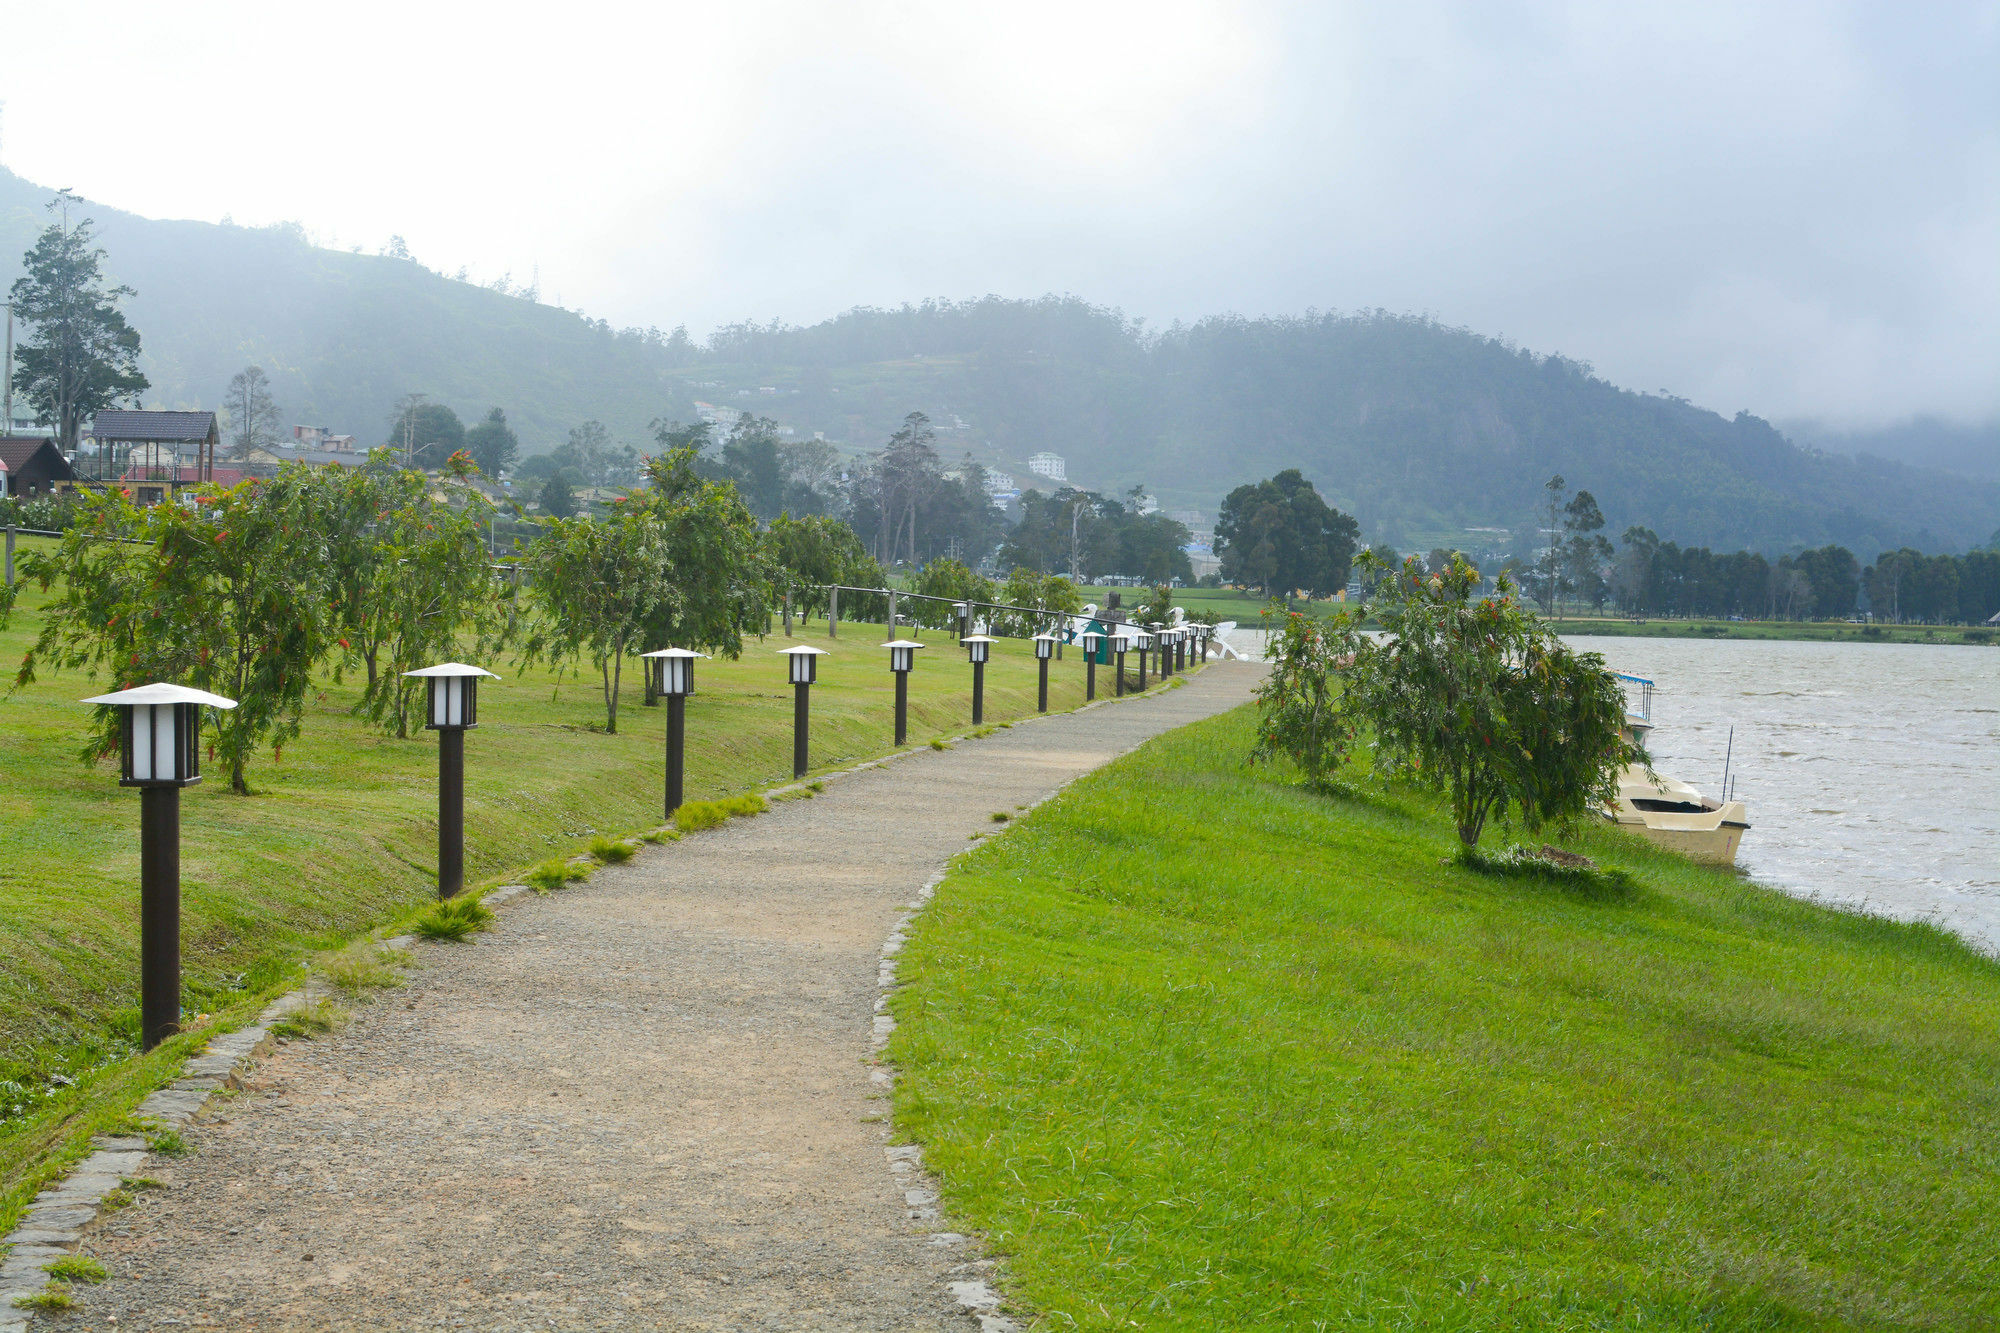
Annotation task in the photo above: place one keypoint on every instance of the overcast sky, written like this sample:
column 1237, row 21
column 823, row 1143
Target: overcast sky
column 1790, row 208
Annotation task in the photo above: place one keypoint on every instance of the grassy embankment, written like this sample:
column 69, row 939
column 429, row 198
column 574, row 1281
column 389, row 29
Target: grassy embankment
column 340, row 836
column 1200, row 1048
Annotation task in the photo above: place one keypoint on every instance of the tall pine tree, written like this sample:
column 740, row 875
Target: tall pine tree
column 81, row 356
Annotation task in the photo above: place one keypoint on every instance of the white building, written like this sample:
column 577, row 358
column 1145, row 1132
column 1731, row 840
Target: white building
column 1052, row 466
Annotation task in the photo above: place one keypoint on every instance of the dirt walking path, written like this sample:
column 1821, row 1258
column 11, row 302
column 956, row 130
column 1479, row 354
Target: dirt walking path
column 643, row 1103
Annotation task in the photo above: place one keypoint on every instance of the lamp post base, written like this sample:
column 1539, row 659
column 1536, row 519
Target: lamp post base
column 451, row 811
column 676, row 749
column 159, row 914
column 800, row 721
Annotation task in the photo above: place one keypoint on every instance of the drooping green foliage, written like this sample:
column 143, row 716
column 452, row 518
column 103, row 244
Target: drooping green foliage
column 413, row 586
column 1467, row 695
column 951, row 579
column 808, row 554
column 231, row 596
column 1051, row 594
column 1304, row 717
column 676, row 565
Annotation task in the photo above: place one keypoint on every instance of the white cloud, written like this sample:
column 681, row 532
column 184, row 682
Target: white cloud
column 1784, row 207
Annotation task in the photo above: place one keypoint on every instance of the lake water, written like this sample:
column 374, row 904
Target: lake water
column 1871, row 771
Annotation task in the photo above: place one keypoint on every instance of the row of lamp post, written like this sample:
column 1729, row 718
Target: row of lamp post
column 160, row 753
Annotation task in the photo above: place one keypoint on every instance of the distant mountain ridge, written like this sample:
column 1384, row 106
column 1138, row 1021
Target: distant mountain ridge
column 1417, row 428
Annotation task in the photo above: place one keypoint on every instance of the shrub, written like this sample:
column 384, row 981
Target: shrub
column 54, row 1296
column 76, row 1268
column 168, row 1143
column 554, row 873
column 454, row 920
column 749, row 803
column 937, row 743
column 694, row 816
column 611, row 851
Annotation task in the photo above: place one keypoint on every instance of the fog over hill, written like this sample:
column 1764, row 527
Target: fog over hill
column 1418, row 428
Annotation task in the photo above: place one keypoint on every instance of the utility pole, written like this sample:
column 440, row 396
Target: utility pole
column 410, row 427
column 1075, row 556
column 7, row 427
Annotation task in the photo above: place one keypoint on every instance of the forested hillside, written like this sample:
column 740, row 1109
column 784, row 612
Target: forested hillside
column 1414, row 427
column 1418, row 429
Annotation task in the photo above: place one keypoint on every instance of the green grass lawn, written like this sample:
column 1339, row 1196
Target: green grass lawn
column 340, row 836
column 1199, row 1048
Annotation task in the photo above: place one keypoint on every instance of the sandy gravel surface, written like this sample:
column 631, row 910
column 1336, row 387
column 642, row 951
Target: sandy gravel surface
column 642, row 1103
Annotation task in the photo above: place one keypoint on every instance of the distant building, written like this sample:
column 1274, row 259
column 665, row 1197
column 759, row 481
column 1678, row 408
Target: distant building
column 156, row 444
column 1052, row 466
column 319, row 437
column 269, row 458
column 998, row 483
column 31, row 465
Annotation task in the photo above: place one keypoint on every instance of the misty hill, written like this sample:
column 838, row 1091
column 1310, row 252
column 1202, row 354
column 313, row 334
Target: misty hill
column 344, row 335
column 1971, row 451
column 1420, row 430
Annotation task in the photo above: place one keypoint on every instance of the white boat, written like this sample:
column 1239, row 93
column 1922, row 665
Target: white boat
column 1669, row 812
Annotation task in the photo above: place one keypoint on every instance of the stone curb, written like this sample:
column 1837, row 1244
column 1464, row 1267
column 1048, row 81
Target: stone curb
column 906, row 1160
column 54, row 1224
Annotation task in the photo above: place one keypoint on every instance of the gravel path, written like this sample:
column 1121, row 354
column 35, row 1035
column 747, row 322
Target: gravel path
column 642, row 1103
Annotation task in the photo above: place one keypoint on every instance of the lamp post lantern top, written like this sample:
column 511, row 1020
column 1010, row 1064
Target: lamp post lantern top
column 794, row 650
column 685, row 652
column 1045, row 645
column 452, row 669
column 161, row 693
column 903, row 643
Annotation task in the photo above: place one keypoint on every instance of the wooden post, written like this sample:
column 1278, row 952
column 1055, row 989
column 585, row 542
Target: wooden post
column 788, row 614
column 10, row 555
column 833, row 612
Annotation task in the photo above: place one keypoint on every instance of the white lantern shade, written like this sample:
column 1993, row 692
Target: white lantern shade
column 1045, row 645
column 977, row 646
column 902, row 654
column 676, row 667
column 160, row 733
column 1142, row 641
column 454, row 695
column 804, row 662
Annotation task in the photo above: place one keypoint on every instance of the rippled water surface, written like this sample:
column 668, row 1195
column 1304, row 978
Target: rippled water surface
column 1872, row 771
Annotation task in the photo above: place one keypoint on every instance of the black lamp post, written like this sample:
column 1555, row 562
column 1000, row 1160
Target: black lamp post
column 452, row 709
column 964, row 617
column 1165, row 639
column 1045, row 648
column 977, row 647
column 675, row 679
column 1143, row 642
column 804, row 670
column 902, row 660
column 1093, row 644
column 160, row 752
column 1120, row 644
